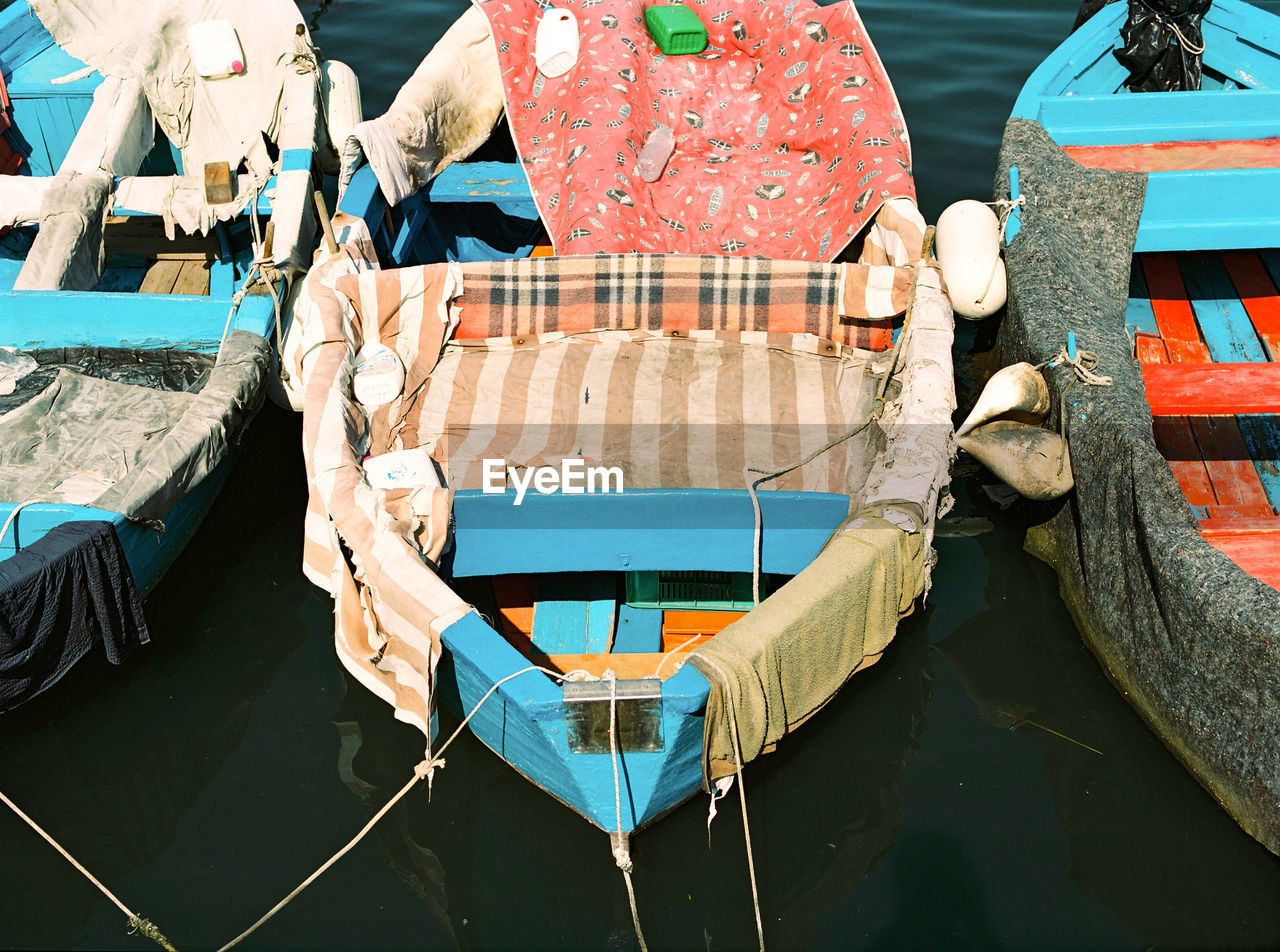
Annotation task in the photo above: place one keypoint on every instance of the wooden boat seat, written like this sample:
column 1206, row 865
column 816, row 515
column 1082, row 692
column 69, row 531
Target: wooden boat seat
column 1179, row 156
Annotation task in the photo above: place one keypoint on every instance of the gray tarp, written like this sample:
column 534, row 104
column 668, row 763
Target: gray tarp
column 1193, row 640
column 127, row 448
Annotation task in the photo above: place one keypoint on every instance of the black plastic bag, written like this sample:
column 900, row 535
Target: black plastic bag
column 1162, row 44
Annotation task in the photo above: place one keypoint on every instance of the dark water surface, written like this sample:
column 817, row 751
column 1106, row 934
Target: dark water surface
column 923, row 809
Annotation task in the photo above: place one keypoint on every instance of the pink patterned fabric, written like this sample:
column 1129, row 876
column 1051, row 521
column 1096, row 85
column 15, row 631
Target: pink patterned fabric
column 789, row 137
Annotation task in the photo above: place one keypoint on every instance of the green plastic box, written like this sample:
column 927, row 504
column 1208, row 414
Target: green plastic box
column 675, row 28
column 711, row 591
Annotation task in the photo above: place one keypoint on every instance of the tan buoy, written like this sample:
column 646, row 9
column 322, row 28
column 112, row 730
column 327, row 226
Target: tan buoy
column 1034, row 461
column 1016, row 389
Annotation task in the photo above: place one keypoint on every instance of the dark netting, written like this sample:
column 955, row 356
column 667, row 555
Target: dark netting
column 178, row 371
column 1192, row 640
column 1162, row 44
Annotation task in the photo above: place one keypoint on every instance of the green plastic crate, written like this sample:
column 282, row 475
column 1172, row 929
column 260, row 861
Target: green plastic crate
column 675, row 28
column 710, row 591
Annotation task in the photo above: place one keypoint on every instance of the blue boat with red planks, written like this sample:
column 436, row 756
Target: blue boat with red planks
column 1146, row 225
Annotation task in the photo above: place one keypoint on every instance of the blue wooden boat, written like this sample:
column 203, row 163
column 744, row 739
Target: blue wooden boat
column 539, row 612
column 96, row 299
column 1150, row 235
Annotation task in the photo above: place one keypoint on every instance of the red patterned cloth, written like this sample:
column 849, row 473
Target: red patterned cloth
column 789, row 136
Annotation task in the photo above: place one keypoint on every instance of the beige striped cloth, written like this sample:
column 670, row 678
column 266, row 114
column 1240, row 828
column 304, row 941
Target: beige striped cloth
column 680, row 371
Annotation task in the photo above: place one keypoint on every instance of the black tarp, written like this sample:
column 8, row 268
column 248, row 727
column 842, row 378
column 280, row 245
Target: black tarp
column 62, row 595
column 1192, row 640
column 1162, row 42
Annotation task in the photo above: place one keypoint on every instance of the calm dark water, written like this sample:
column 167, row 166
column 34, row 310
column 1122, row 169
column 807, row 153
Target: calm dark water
column 920, row 810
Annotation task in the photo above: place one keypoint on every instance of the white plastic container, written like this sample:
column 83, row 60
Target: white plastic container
column 215, row 49
column 656, row 153
column 378, row 377
column 555, row 45
column 968, row 246
column 403, row 469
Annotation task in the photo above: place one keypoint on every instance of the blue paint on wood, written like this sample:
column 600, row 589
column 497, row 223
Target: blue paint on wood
column 639, row 530
column 524, row 723
column 1138, row 313
column 74, row 318
column 296, row 160
column 574, row 613
column 639, row 630
column 1208, row 210
column 1231, row 338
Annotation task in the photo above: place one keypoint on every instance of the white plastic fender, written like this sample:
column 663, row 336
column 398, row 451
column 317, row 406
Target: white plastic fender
column 340, row 97
column 555, row 45
column 968, row 248
column 378, row 377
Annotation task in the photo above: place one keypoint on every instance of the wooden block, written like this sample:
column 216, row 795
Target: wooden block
column 219, row 187
column 626, row 666
column 161, row 277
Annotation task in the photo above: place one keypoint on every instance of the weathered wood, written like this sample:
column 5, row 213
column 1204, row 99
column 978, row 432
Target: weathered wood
column 1258, row 295
column 1235, row 525
column 161, row 277
column 1173, row 436
column 193, row 278
column 1179, row 156
column 1212, row 389
column 625, row 666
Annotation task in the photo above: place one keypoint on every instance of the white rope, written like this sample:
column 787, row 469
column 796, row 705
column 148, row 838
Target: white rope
column 621, row 846
column 742, row 796
column 678, row 648
column 136, row 922
column 1004, row 208
column 1084, row 364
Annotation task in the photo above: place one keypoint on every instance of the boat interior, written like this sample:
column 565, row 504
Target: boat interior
column 1196, row 310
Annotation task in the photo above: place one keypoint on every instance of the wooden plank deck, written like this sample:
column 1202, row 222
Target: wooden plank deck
column 1210, row 376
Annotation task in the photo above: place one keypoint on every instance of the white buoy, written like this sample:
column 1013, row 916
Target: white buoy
column 1018, row 388
column 968, row 249
column 378, row 377
column 1034, row 461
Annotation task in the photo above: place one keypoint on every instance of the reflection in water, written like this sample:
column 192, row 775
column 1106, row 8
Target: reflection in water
column 1144, row 837
column 111, row 758
column 936, row 866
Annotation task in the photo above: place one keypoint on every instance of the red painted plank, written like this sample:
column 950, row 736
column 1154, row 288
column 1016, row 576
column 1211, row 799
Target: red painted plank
column 1176, row 320
column 1229, row 465
column 1258, row 553
column 1212, row 389
column 1174, row 438
column 1179, row 156
column 1234, row 525
column 1245, row 513
column 1258, row 295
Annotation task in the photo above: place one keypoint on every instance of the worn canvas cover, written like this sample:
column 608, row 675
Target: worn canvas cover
column 1189, row 636
column 208, row 119
column 789, row 136
column 128, row 448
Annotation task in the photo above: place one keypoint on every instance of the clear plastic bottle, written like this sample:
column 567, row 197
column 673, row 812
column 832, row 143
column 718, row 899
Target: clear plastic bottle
column 657, row 150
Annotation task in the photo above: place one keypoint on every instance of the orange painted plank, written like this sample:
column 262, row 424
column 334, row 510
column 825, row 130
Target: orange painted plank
column 1212, row 389
column 1258, row 553
column 1173, row 436
column 1176, row 320
column 1179, row 156
column 625, row 666
column 687, row 622
column 1228, row 463
column 1235, row 525
column 1258, row 295
column 1244, row 513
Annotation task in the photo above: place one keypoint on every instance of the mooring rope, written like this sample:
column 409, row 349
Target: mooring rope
column 137, row 923
column 621, row 845
column 1084, row 363
column 742, row 797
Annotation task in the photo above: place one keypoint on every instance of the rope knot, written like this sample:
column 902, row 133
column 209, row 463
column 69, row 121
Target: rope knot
column 425, row 768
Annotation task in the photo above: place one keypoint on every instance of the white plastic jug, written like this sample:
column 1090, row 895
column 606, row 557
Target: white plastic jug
column 378, row 377
column 215, row 49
